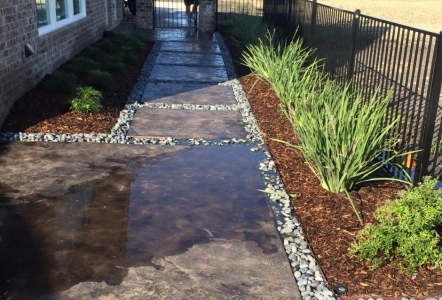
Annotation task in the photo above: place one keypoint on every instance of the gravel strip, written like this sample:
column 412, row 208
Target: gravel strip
column 189, row 106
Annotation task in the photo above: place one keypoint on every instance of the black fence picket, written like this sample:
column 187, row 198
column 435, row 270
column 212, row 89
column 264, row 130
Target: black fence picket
column 226, row 9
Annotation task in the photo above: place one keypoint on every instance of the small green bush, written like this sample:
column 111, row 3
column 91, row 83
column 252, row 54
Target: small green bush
column 127, row 57
column 405, row 229
column 114, row 65
column 99, row 79
column 107, row 45
column 138, row 36
column 60, row 82
column 246, row 28
column 82, row 65
column 87, row 100
column 135, row 44
column 96, row 54
column 117, row 39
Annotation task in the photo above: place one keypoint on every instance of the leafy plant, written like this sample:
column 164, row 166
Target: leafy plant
column 61, row 82
column 87, row 100
column 406, row 229
column 82, row 65
column 99, row 79
column 342, row 138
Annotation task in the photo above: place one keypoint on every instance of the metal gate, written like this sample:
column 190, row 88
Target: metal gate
column 172, row 14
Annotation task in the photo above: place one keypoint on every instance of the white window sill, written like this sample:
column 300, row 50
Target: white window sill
column 59, row 24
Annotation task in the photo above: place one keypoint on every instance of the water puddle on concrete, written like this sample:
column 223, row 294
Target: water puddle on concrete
column 71, row 213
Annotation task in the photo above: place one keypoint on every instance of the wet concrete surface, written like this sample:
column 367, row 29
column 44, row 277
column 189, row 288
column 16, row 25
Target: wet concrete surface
column 137, row 222
column 188, row 93
column 187, row 124
column 205, row 47
column 176, row 35
column 196, row 59
column 125, row 28
column 188, row 74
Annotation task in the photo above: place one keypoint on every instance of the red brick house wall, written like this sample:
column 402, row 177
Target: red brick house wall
column 18, row 25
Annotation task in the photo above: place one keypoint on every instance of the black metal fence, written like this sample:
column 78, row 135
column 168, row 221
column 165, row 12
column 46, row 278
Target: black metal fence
column 378, row 55
column 226, row 9
column 172, row 14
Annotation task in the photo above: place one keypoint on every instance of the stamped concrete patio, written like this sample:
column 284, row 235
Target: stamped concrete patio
column 111, row 221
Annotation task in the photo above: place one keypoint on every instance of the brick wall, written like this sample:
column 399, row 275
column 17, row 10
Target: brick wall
column 18, row 26
column 207, row 16
column 145, row 14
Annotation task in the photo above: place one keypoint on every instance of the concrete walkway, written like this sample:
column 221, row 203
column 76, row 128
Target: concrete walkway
column 122, row 221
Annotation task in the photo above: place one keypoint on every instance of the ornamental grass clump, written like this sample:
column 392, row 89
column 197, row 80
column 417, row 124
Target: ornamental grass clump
column 406, row 229
column 87, row 100
column 286, row 66
column 342, row 138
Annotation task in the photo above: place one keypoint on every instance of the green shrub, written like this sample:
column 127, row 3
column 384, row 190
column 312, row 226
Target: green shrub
column 82, row 65
column 117, row 39
column 107, row 45
column 138, row 36
column 60, row 82
column 99, row 79
column 114, row 65
column 405, row 229
column 135, row 44
column 87, row 100
column 96, row 54
column 127, row 57
column 246, row 28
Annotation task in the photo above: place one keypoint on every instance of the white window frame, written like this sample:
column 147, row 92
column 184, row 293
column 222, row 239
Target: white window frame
column 70, row 18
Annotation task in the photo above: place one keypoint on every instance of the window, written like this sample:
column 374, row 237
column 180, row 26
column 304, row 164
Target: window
column 53, row 14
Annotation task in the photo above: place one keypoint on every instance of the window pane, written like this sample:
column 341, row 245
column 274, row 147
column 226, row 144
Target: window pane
column 42, row 13
column 76, row 7
column 61, row 9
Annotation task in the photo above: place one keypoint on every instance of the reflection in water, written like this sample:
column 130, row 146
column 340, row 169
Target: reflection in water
column 74, row 238
column 144, row 209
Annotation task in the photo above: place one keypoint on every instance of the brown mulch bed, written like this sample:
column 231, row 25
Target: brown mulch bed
column 328, row 220
column 41, row 111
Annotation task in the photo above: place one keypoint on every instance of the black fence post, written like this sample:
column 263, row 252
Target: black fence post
column 431, row 110
column 314, row 12
column 354, row 34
